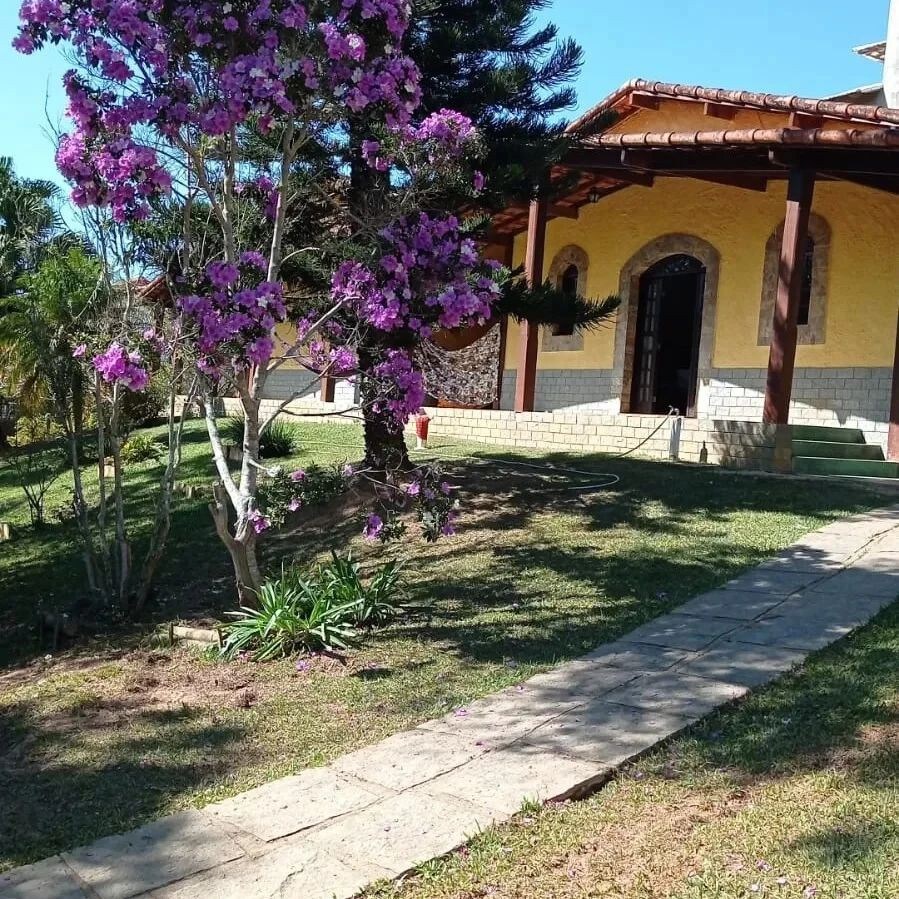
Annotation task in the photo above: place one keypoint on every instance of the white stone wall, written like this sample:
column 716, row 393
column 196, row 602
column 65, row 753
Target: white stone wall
column 587, row 390
column 835, row 397
column 734, row 444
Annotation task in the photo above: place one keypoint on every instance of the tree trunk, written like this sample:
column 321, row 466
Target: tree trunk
column 385, row 447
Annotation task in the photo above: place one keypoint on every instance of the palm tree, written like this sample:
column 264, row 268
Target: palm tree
column 37, row 310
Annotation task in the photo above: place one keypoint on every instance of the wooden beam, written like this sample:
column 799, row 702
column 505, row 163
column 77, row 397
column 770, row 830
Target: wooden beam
column 850, row 160
column 893, row 443
column 643, row 101
column 720, row 111
column 782, row 357
column 555, row 210
column 805, row 121
column 736, row 161
column 526, row 380
column 328, row 386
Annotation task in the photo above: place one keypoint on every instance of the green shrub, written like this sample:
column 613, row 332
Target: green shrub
column 279, row 439
column 373, row 605
column 141, row 447
column 290, row 617
column 319, row 610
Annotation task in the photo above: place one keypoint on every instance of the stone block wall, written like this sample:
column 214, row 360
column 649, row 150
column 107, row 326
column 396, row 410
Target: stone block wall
column 734, row 444
column 835, row 397
column 557, row 390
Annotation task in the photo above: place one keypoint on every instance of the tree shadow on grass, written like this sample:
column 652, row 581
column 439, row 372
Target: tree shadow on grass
column 56, row 782
column 461, row 581
column 839, row 711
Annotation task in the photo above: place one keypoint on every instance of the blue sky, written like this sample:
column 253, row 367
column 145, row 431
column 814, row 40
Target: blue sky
column 782, row 46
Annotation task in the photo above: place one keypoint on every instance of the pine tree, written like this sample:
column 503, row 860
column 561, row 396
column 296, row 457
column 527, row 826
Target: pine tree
column 490, row 61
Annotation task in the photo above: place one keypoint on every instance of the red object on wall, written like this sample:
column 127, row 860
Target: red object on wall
column 422, row 424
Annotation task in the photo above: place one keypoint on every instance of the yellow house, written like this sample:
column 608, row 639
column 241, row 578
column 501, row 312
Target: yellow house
column 752, row 239
column 754, row 242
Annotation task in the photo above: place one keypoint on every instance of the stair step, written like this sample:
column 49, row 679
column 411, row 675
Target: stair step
column 826, row 434
column 859, row 468
column 826, row 449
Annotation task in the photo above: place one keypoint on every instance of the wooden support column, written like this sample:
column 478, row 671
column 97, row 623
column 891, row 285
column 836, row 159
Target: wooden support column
column 893, row 446
column 782, row 359
column 509, row 263
column 526, row 380
column 327, row 387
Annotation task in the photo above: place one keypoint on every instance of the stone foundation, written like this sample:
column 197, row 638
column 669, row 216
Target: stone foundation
column 588, row 390
column 833, row 397
column 733, row 444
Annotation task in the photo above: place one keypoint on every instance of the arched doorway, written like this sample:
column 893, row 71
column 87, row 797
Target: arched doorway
column 669, row 328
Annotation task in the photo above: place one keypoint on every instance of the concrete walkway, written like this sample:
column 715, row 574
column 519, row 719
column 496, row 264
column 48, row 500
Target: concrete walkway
column 383, row 810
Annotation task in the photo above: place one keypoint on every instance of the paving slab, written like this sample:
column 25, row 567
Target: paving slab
column 810, row 561
column 408, row 759
column 737, row 604
column 153, row 856
column 501, row 781
column 870, row 525
column 296, row 869
column 685, row 632
column 605, row 733
column 811, row 621
column 292, row 804
column 399, row 833
column 829, row 607
column 638, row 658
column 676, row 693
column 858, row 581
column 499, row 720
column 49, row 879
column 577, row 682
column 743, row 663
column 778, row 583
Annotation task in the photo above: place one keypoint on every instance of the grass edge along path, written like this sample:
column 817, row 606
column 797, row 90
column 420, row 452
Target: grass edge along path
column 791, row 793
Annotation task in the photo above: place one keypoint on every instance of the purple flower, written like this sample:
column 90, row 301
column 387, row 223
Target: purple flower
column 298, row 475
column 79, row 351
column 374, row 527
column 259, row 522
column 294, row 505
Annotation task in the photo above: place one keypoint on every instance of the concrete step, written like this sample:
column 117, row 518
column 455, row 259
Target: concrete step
column 826, row 434
column 825, row 449
column 859, row 468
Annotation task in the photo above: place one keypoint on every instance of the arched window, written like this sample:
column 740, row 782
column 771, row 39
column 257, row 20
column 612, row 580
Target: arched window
column 568, row 273
column 570, row 280
column 812, row 317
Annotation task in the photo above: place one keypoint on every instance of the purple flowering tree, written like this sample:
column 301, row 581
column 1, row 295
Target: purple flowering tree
column 163, row 99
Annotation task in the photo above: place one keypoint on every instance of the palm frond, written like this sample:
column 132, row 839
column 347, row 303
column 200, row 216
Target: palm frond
column 547, row 305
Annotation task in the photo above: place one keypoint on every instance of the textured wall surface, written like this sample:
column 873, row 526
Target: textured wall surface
column 842, row 397
column 733, row 444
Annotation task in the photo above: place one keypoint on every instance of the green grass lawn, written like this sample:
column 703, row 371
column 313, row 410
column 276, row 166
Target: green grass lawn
column 111, row 733
column 794, row 793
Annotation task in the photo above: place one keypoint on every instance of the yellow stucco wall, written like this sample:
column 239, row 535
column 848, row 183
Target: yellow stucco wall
column 863, row 288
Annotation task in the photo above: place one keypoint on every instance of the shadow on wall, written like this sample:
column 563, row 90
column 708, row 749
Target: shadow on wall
column 832, row 397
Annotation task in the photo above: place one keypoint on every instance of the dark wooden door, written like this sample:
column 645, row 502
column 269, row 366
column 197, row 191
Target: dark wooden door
column 648, row 336
column 669, row 329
